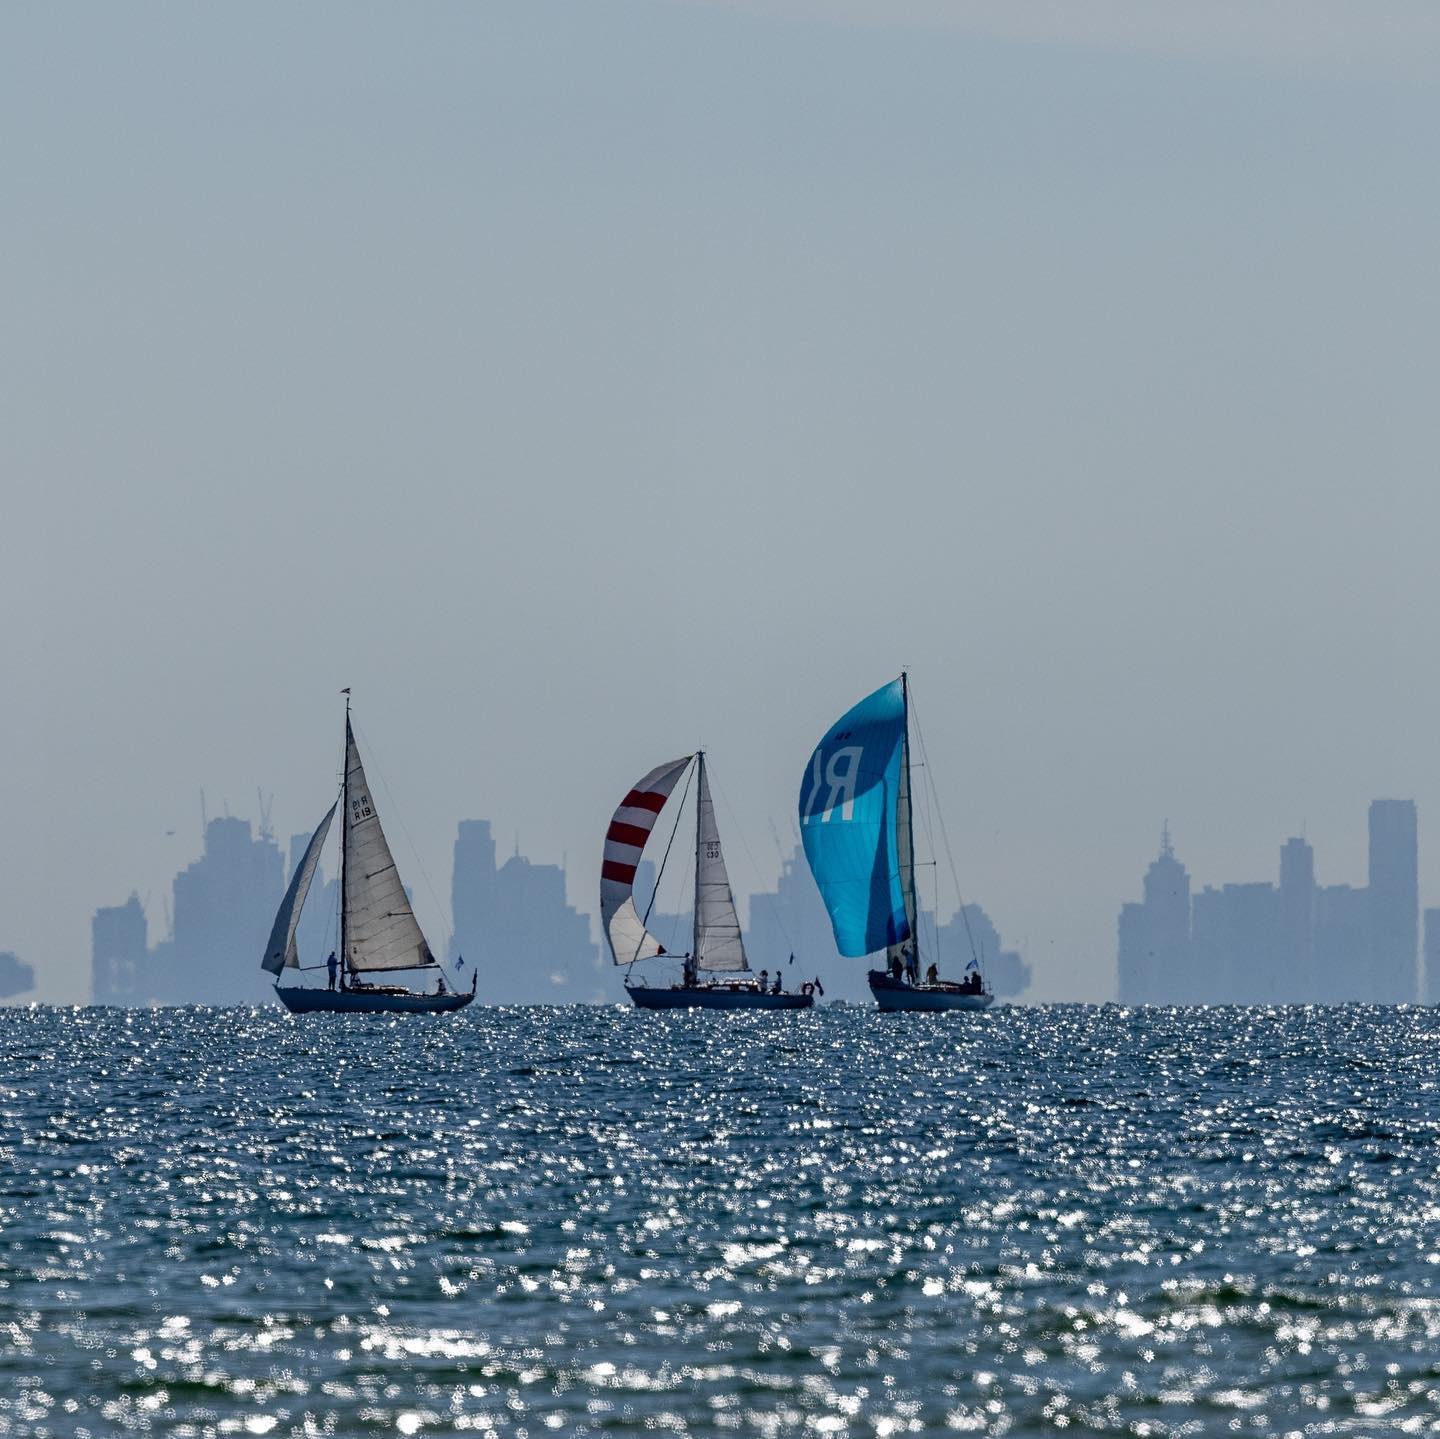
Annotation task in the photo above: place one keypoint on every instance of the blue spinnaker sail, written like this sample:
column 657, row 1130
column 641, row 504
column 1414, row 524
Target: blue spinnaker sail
column 848, row 801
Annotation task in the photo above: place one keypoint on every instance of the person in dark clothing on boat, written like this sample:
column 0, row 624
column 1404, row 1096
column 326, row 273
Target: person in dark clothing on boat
column 331, row 965
column 764, row 980
column 776, row 990
column 932, row 975
column 897, row 968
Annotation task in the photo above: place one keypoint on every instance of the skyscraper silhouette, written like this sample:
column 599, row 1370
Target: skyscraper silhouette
column 1342, row 945
column 225, row 903
column 119, row 946
column 1154, row 960
column 515, row 925
column 1394, row 900
column 1297, row 914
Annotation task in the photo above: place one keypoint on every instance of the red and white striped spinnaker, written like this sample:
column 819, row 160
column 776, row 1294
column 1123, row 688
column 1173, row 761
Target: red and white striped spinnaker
column 624, row 843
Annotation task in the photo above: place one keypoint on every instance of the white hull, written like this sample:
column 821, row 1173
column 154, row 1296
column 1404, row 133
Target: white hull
column 895, row 996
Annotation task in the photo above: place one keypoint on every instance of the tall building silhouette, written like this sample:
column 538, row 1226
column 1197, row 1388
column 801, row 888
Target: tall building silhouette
column 1297, row 914
column 514, row 924
column 119, row 948
column 1342, row 946
column 224, row 905
column 1394, row 900
column 1154, row 950
column 1236, row 943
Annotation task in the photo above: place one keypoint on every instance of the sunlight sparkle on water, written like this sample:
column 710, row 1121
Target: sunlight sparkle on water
column 232, row 1222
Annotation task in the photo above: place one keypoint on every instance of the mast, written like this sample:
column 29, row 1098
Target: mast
column 692, row 962
column 344, row 832
column 907, row 860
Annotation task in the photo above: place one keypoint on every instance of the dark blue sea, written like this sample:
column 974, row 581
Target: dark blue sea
column 598, row 1221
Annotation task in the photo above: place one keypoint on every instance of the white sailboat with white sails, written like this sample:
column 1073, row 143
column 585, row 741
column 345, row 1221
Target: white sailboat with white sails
column 380, row 938
column 717, row 945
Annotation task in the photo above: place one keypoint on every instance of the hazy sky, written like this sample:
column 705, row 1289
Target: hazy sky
column 585, row 382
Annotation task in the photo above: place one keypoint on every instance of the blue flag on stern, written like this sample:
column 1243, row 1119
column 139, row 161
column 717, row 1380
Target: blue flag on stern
column 848, row 802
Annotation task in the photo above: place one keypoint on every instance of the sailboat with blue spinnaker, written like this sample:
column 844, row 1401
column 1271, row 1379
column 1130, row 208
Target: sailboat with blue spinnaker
column 857, row 828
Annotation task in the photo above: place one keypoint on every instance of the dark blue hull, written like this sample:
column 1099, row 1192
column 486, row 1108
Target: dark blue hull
column 704, row 996
column 299, row 1000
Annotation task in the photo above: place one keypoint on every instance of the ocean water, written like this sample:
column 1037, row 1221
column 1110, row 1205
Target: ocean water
column 597, row 1221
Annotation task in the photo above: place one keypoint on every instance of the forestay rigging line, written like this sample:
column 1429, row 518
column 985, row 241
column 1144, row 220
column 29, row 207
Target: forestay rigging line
column 944, row 833
column 660, row 873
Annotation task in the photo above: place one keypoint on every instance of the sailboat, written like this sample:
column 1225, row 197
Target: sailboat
column 379, row 934
column 717, row 946
column 855, row 823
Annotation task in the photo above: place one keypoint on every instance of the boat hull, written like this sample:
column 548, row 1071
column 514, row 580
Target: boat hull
column 703, row 996
column 895, row 996
column 351, row 1001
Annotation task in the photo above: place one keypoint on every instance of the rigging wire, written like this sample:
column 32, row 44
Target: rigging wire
column 944, row 833
column 926, row 809
column 660, row 873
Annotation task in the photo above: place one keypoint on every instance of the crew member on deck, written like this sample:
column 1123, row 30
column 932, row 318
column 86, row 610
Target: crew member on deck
column 932, row 975
column 331, row 965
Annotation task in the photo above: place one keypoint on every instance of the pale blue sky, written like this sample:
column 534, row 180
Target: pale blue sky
column 583, row 382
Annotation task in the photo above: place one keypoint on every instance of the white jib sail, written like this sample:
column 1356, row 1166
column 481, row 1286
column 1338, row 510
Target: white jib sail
column 381, row 931
column 718, row 945
column 630, row 827
column 281, row 953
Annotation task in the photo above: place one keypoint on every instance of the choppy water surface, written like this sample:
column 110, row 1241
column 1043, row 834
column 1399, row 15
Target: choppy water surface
column 521, row 1221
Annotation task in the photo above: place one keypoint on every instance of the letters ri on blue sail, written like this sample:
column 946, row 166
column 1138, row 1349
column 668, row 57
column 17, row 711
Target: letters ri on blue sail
column 847, row 821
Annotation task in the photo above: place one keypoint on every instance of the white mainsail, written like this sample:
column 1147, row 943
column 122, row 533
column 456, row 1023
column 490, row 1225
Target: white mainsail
column 718, row 945
column 630, row 827
column 281, row 952
column 381, row 931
